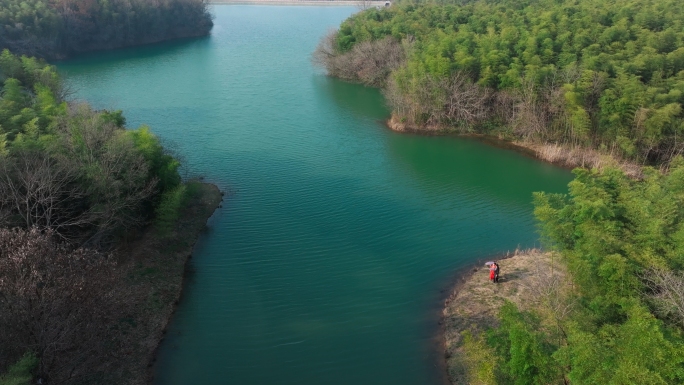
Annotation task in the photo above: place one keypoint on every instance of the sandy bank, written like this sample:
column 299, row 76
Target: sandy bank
column 474, row 302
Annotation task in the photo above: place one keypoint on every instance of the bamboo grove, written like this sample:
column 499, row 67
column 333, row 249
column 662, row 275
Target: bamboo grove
column 607, row 75
column 620, row 320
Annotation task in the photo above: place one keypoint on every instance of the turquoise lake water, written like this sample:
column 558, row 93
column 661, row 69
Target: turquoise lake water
column 326, row 261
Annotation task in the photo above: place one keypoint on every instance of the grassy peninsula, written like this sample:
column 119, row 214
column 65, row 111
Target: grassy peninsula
column 606, row 306
column 61, row 28
column 530, row 279
column 95, row 229
column 603, row 77
column 603, row 307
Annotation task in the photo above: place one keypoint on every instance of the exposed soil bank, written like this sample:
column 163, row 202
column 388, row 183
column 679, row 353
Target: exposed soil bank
column 155, row 266
column 475, row 301
column 564, row 156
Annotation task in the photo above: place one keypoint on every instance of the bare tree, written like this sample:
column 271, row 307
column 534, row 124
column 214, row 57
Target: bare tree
column 60, row 303
column 36, row 190
column 435, row 101
column 368, row 62
column 666, row 292
column 530, row 115
column 465, row 101
column 93, row 182
column 115, row 173
column 326, row 51
column 552, row 292
column 363, row 5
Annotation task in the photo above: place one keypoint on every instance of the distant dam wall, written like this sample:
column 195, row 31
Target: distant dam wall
column 358, row 3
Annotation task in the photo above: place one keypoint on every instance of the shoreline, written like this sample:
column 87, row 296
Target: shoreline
column 62, row 57
column 155, row 265
column 558, row 155
column 447, row 289
column 209, row 201
column 472, row 302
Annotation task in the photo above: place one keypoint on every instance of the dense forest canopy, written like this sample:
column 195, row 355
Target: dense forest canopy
column 603, row 74
column 57, row 28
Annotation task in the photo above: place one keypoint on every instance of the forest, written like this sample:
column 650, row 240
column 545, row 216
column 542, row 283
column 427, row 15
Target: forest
column 61, row 28
column 75, row 185
column 605, row 75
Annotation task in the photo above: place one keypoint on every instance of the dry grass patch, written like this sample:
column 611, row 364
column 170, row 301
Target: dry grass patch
column 581, row 157
column 529, row 279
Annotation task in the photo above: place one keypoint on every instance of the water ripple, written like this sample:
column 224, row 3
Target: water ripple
column 325, row 262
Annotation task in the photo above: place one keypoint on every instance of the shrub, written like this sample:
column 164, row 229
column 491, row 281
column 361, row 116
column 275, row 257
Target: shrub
column 479, row 359
column 21, row 373
column 168, row 211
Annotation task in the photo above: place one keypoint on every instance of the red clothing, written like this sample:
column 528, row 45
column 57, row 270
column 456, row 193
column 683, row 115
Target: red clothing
column 492, row 274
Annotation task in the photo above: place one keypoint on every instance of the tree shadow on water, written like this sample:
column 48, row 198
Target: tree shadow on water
column 357, row 99
column 138, row 52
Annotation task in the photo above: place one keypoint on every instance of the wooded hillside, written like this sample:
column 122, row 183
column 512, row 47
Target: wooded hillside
column 604, row 75
column 75, row 185
column 607, row 75
column 59, row 28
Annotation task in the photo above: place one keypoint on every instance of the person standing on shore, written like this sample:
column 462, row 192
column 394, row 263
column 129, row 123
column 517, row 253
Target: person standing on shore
column 492, row 272
column 496, row 272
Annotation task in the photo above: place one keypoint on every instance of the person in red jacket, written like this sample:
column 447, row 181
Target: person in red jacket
column 492, row 272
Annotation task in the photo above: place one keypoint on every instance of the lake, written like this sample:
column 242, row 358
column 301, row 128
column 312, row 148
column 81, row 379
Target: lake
column 326, row 261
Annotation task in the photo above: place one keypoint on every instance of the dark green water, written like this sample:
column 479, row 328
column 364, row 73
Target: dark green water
column 326, row 263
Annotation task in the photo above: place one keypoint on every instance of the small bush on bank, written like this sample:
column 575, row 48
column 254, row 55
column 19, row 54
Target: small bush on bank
column 21, row 373
column 479, row 359
column 168, row 211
